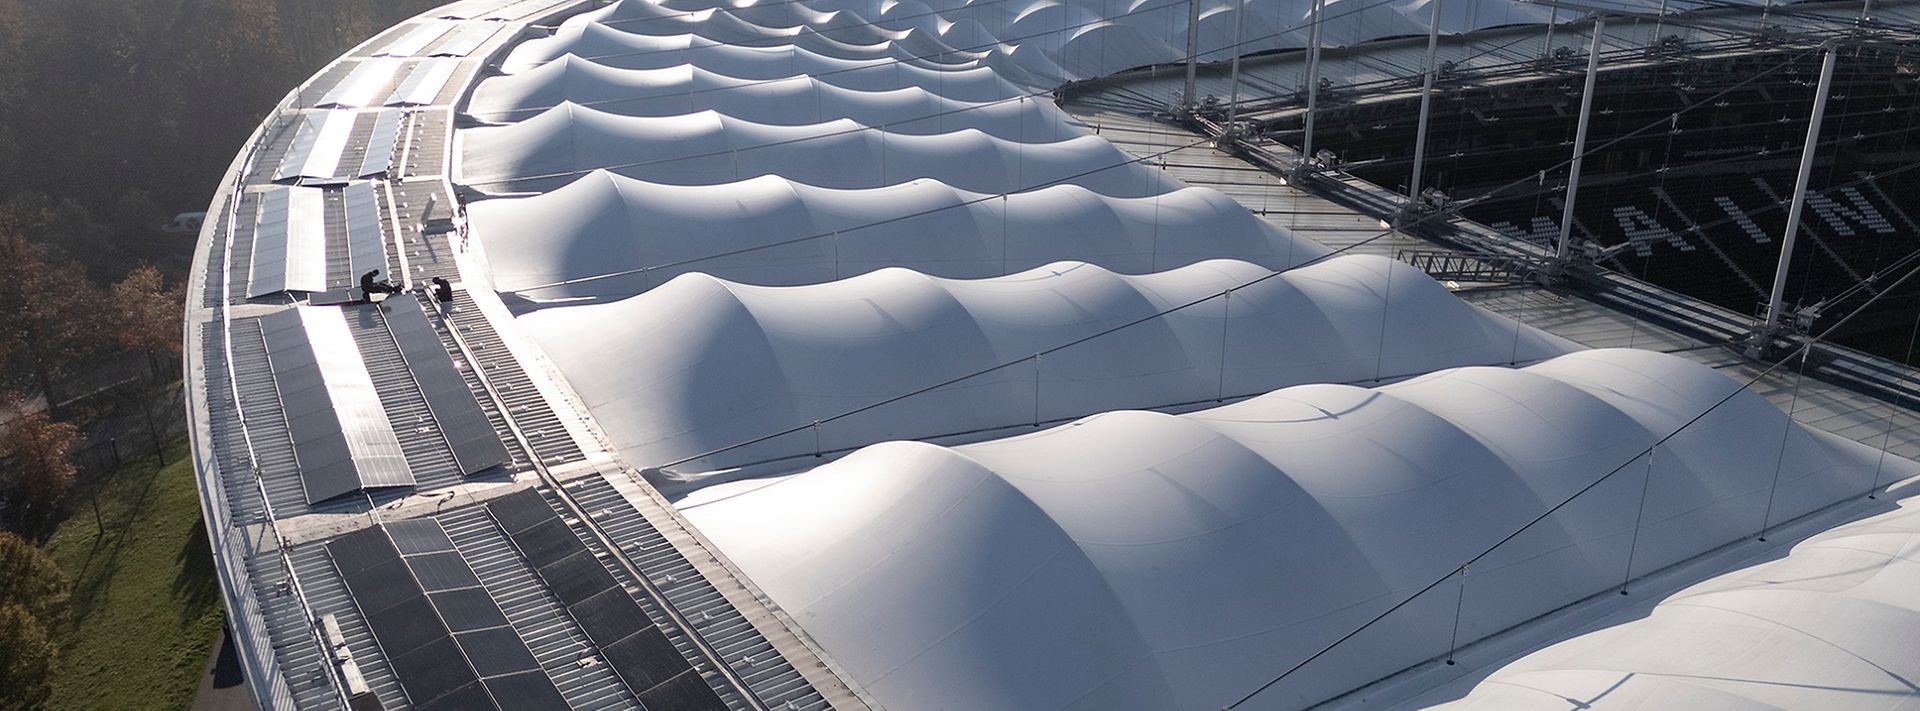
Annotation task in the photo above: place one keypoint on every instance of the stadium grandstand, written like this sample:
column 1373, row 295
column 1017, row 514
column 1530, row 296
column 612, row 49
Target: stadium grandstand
column 778, row 355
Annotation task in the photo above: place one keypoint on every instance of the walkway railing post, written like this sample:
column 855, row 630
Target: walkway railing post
column 1565, row 247
column 1775, row 307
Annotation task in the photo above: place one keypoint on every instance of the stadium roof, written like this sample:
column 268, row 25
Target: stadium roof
column 810, row 355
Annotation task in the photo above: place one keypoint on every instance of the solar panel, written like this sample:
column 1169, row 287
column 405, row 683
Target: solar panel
column 612, row 613
column 466, row 40
column 362, row 417
column 416, row 39
column 305, row 135
column 684, row 692
column 520, row 510
column 547, row 542
column 366, row 247
column 318, row 144
column 268, row 271
column 419, row 535
column 476, row 446
column 644, row 658
column 497, row 651
column 442, row 571
column 379, row 154
column 319, row 444
column 357, row 551
column 467, row 609
column 456, row 602
column 630, row 644
column 424, row 84
column 289, row 242
column 361, row 85
column 418, row 646
column 471, row 696
column 529, row 691
column 407, row 625
column 432, row 671
column 577, row 577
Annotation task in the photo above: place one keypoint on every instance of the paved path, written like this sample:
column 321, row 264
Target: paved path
column 221, row 687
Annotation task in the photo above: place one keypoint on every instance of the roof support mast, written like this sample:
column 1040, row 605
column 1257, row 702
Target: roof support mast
column 1233, row 75
column 1426, row 106
column 1579, row 146
column 1193, row 53
column 1313, row 82
column 1775, row 307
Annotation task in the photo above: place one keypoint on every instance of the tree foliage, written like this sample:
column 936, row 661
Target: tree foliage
column 33, row 604
column 47, row 325
column 38, row 471
column 145, row 314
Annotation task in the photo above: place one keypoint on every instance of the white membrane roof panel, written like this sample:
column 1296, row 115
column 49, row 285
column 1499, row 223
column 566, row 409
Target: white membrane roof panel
column 1830, row 625
column 700, row 364
column 777, row 232
column 1145, row 560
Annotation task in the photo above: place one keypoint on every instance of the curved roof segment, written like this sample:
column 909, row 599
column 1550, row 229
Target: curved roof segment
column 605, row 223
column 1038, row 42
column 699, row 364
column 1144, row 560
column 1829, row 626
column 707, row 148
column 903, row 104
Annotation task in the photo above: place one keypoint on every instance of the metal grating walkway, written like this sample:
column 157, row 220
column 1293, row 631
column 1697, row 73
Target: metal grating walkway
column 550, row 440
column 515, row 452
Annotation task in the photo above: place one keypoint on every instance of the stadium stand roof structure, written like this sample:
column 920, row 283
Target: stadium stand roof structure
column 848, row 354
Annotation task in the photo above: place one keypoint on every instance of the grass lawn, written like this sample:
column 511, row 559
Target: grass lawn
column 146, row 604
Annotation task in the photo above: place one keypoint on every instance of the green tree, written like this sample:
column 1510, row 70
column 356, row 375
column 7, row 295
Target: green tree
column 33, row 603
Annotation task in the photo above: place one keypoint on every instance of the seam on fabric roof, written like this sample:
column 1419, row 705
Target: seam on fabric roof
column 1912, row 688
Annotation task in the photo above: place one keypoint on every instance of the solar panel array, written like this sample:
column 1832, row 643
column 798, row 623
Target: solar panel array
column 364, row 236
column 638, row 652
column 447, row 641
column 424, row 84
column 362, row 85
column 379, row 154
column 475, row 444
column 318, row 145
column 334, row 146
column 341, row 436
column 415, row 40
column 289, row 242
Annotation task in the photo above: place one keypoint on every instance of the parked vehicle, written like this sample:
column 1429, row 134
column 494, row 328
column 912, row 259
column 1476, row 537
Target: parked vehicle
column 185, row 223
